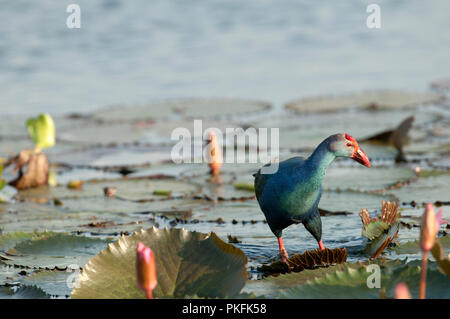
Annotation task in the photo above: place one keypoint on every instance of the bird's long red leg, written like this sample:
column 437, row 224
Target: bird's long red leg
column 321, row 246
column 283, row 253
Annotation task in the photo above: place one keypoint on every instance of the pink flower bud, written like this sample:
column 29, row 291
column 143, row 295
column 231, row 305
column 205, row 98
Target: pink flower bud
column 215, row 157
column 428, row 229
column 402, row 291
column 146, row 269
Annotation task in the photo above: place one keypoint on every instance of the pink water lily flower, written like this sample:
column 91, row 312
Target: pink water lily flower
column 402, row 291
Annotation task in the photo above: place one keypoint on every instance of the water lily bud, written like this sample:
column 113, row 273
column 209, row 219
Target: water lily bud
column 428, row 229
column 146, row 269
column 417, row 170
column 402, row 291
column 215, row 154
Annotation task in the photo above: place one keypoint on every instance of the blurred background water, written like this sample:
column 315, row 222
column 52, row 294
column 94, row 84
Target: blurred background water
column 141, row 51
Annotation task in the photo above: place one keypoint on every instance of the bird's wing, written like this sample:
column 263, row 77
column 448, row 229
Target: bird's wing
column 261, row 179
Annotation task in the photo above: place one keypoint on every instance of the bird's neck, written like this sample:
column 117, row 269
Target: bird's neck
column 319, row 161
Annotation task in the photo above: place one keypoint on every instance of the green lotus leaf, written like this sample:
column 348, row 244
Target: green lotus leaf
column 9, row 275
column 371, row 100
column 352, row 282
column 374, row 229
column 188, row 263
column 11, row 239
column 377, row 245
column 54, row 282
column 2, row 181
column 442, row 259
column 23, row 292
column 42, row 131
column 56, row 250
column 271, row 286
column 412, row 247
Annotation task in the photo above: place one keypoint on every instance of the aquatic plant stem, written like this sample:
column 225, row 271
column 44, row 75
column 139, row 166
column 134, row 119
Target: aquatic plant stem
column 149, row 294
column 423, row 275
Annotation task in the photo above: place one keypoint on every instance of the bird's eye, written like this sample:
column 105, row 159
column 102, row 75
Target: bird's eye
column 349, row 144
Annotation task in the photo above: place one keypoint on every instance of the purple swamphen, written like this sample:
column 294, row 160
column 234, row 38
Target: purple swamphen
column 291, row 195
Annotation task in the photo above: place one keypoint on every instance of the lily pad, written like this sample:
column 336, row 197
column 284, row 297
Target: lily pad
column 53, row 282
column 412, row 247
column 366, row 179
column 130, row 189
column 188, row 263
column 430, row 189
column 352, row 283
column 441, row 258
column 380, row 230
column 371, row 100
column 308, row 260
column 351, row 201
column 58, row 250
column 23, row 292
column 193, row 108
column 12, row 239
column 131, row 156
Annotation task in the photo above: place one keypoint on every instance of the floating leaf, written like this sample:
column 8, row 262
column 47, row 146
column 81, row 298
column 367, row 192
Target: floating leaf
column 374, row 180
column 245, row 186
column 271, row 286
column 12, row 239
column 431, row 189
column 55, row 250
column 36, row 169
column 371, row 100
column 23, row 292
column 2, row 181
column 352, row 282
column 54, row 282
column 441, row 258
column 75, row 184
column 162, row 192
column 397, row 137
column 138, row 189
column 187, row 263
column 308, row 260
column 42, row 131
column 192, row 108
column 380, row 230
column 374, row 229
column 376, row 246
column 412, row 247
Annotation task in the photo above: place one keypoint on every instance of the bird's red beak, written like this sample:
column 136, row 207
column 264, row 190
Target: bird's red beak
column 361, row 157
column 358, row 154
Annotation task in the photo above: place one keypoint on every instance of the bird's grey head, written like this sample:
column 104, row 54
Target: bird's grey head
column 344, row 145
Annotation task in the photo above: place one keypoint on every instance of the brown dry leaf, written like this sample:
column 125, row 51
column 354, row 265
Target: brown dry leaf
column 308, row 260
column 397, row 137
column 36, row 169
column 389, row 214
column 365, row 217
column 380, row 230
